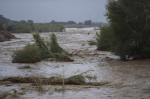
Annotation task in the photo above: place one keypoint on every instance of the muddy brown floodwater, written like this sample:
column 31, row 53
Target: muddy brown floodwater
column 128, row 79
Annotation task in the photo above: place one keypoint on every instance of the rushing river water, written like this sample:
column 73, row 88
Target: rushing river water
column 128, row 80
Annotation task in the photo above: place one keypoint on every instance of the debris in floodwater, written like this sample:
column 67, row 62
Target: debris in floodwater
column 4, row 95
column 25, row 67
column 77, row 80
column 100, row 83
column 57, row 80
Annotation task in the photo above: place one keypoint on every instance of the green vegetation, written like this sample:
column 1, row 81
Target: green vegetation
column 21, row 28
column 29, row 26
column 42, row 45
column 6, row 21
column 92, row 42
column 35, row 27
column 128, row 32
column 29, row 54
column 76, row 26
column 62, row 57
column 56, row 80
column 77, row 80
column 88, row 22
column 54, row 46
column 4, row 95
column 41, row 50
column 105, row 38
column 25, row 67
column 99, row 83
column 47, row 27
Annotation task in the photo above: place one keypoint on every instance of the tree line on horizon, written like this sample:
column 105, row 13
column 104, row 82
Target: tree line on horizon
column 28, row 26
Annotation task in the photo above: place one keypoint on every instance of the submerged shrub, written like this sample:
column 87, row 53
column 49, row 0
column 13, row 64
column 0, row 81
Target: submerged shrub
column 54, row 46
column 42, row 46
column 104, row 39
column 59, row 54
column 62, row 57
column 92, row 42
column 3, row 95
column 41, row 50
column 29, row 54
column 77, row 79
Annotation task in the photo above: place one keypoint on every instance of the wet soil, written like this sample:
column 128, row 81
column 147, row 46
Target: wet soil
column 128, row 79
column 5, row 36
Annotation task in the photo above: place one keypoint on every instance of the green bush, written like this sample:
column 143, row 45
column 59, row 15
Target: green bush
column 77, row 79
column 62, row 57
column 43, row 46
column 41, row 50
column 29, row 54
column 59, row 53
column 92, row 42
column 50, row 47
column 54, row 46
column 4, row 95
column 105, row 38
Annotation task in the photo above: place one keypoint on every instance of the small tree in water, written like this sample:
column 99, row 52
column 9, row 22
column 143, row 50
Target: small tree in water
column 54, row 46
column 59, row 53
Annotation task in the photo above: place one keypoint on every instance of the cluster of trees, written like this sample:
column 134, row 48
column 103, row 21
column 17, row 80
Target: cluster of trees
column 73, row 23
column 28, row 26
column 62, row 23
column 128, row 32
column 36, row 27
column 6, row 21
column 88, row 22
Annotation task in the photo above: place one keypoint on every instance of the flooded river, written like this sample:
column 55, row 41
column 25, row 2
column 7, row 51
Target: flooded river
column 128, row 79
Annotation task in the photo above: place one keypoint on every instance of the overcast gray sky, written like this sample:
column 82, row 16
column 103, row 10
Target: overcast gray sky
column 58, row 10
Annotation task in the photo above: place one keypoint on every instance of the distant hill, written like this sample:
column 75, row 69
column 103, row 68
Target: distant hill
column 6, row 21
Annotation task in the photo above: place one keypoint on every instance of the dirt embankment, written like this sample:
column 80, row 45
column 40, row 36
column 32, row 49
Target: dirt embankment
column 5, row 36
